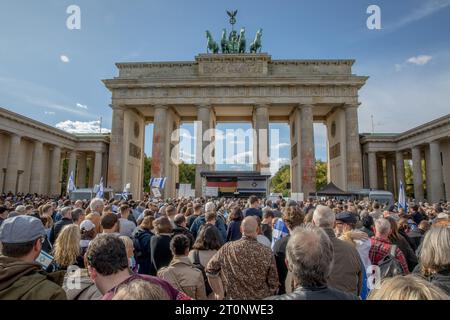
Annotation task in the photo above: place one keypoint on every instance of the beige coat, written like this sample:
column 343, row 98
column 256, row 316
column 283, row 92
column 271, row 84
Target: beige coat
column 185, row 277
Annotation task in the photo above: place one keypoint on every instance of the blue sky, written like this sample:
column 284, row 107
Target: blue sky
column 53, row 74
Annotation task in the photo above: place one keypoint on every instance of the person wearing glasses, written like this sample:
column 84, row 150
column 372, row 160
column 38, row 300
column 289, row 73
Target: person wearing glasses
column 21, row 278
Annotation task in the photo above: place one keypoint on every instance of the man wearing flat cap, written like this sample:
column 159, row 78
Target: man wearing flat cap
column 21, row 278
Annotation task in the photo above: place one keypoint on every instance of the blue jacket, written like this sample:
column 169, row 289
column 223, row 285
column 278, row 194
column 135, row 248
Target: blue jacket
column 234, row 231
column 195, row 228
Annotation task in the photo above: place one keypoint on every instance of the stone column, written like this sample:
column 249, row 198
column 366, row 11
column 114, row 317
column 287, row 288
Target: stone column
column 98, row 164
column 55, row 183
column 13, row 164
column 204, row 118
column 445, row 149
column 160, row 161
column 116, row 149
column 354, row 162
column 400, row 170
column 307, row 152
column 36, row 168
column 437, row 192
column 427, row 172
column 417, row 173
column 380, row 178
column 82, row 167
column 261, row 149
column 295, row 130
column 390, row 173
column 373, row 174
column 72, row 163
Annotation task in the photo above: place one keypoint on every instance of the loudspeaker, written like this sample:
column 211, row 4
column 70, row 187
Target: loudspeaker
column 288, row 185
column 177, row 186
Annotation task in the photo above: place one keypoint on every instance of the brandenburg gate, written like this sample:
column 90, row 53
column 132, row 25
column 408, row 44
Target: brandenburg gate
column 250, row 87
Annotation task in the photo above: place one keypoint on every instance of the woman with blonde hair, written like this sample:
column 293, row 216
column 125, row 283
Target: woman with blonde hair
column 434, row 259
column 408, row 287
column 130, row 253
column 67, row 251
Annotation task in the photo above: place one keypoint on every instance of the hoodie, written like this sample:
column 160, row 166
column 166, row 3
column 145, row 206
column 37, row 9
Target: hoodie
column 21, row 280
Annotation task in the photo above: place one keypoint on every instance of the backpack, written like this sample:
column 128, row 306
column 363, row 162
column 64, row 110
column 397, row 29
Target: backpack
column 198, row 266
column 137, row 245
column 389, row 265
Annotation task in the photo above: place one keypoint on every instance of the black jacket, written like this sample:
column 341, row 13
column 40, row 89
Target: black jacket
column 416, row 236
column 279, row 249
column 143, row 257
column 160, row 251
column 57, row 227
column 408, row 252
column 321, row 293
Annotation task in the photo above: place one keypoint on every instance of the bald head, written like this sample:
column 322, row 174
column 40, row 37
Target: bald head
column 424, row 225
column 249, row 227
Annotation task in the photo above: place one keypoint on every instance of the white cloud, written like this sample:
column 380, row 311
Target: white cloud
column 427, row 8
column 64, row 58
column 420, row 60
column 186, row 157
column 280, row 146
column 81, row 127
column 82, row 106
column 30, row 94
column 400, row 101
column 276, row 164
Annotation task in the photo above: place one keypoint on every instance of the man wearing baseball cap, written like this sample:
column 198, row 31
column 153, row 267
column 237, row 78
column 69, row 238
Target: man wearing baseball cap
column 21, row 278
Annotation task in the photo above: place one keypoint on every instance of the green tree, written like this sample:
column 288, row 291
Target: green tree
column 147, row 172
column 321, row 174
column 409, row 182
column 279, row 181
column 186, row 173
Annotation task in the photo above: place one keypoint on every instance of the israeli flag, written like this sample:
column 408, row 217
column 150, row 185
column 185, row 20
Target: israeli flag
column 158, row 182
column 125, row 191
column 71, row 184
column 280, row 230
column 100, row 190
column 402, row 198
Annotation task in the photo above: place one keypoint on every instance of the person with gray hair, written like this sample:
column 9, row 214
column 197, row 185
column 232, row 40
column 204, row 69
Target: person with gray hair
column 347, row 272
column 97, row 205
column 200, row 221
column 66, row 214
column 309, row 255
column 381, row 246
column 78, row 216
column 434, row 259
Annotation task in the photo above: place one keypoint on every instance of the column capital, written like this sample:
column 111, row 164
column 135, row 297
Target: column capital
column 204, row 106
column 261, row 106
column 304, row 106
column 117, row 107
column 38, row 142
column 350, row 106
column 14, row 135
column 161, row 106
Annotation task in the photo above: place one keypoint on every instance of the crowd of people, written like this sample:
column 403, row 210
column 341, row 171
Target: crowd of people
column 215, row 249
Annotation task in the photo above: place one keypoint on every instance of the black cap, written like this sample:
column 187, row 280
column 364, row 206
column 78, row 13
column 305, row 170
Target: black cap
column 346, row 217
